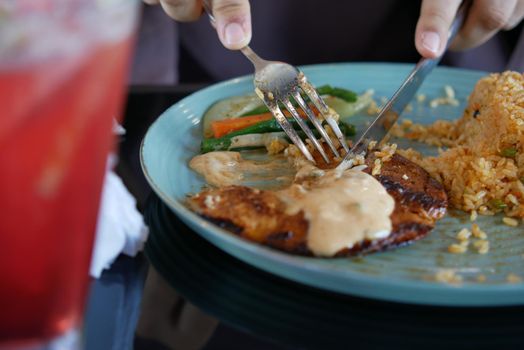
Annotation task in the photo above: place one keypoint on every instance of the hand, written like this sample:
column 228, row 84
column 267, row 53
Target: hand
column 484, row 19
column 233, row 18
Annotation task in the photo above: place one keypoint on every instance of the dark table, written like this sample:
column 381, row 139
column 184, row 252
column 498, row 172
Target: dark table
column 195, row 295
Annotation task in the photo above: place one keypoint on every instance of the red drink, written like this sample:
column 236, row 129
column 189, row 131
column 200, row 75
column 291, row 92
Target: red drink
column 55, row 135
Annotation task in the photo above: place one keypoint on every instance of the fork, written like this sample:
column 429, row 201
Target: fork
column 278, row 82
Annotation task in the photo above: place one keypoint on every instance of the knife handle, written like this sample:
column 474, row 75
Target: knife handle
column 457, row 23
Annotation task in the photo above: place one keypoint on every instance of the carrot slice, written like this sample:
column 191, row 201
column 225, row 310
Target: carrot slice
column 225, row 126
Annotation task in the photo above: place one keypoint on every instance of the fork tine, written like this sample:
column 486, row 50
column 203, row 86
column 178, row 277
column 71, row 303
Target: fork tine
column 291, row 109
column 334, row 126
column 298, row 98
column 286, row 126
column 324, row 110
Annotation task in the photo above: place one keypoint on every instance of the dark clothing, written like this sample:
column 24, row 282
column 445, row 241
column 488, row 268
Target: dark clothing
column 303, row 32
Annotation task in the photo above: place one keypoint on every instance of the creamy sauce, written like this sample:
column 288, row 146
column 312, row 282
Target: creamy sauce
column 229, row 168
column 219, row 168
column 343, row 208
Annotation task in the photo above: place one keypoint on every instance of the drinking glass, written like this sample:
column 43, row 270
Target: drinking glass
column 63, row 66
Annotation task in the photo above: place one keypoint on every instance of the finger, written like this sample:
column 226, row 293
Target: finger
column 151, row 2
column 516, row 17
column 433, row 25
column 182, row 10
column 485, row 18
column 233, row 22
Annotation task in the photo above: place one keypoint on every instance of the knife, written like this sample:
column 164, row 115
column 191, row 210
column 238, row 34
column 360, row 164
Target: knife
column 379, row 128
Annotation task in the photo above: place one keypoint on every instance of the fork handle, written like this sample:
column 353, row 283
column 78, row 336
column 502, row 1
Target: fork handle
column 257, row 61
column 209, row 10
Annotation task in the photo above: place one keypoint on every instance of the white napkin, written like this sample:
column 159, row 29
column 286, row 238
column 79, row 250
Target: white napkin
column 120, row 227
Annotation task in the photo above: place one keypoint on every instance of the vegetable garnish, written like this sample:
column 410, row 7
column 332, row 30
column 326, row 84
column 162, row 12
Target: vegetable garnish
column 344, row 94
column 241, row 122
column 497, row 204
column 254, row 135
column 226, row 126
column 256, row 110
column 509, row 152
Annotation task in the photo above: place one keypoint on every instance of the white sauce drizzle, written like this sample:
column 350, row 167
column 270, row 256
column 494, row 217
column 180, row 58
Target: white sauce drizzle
column 342, row 209
column 226, row 168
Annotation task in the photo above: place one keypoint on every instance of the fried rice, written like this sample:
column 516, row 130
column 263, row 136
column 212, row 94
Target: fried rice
column 482, row 163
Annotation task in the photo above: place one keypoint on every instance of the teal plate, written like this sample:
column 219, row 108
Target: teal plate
column 403, row 275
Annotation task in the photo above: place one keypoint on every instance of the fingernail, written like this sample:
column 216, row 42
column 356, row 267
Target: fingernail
column 234, row 33
column 431, row 41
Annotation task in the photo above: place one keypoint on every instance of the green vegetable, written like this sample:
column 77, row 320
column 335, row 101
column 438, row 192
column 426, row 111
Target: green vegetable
column 266, row 129
column 347, row 129
column 273, row 126
column 256, row 110
column 497, row 203
column 262, row 128
column 509, row 152
column 522, row 179
column 346, row 95
column 210, row 145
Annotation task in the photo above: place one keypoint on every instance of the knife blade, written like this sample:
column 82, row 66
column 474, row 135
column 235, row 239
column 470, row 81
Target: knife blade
column 379, row 128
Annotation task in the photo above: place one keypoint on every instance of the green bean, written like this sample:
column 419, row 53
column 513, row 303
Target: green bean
column 497, row 203
column 509, row 152
column 255, row 111
column 344, row 94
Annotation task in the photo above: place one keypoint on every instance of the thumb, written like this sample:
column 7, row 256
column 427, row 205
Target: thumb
column 433, row 25
column 233, row 22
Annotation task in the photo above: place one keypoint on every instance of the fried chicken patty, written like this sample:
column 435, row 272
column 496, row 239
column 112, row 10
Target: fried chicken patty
column 260, row 215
